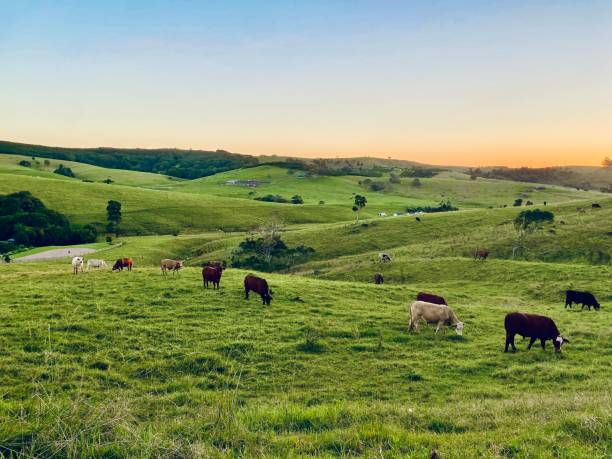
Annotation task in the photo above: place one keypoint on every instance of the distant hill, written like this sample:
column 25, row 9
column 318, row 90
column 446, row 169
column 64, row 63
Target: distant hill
column 187, row 164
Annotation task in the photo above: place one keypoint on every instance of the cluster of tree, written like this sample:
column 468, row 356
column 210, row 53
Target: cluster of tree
column 296, row 199
column 553, row 175
column 187, row 164
column 266, row 251
column 24, row 220
column 420, row 172
column 375, row 186
column 443, row 206
column 527, row 222
column 66, row 171
column 334, row 167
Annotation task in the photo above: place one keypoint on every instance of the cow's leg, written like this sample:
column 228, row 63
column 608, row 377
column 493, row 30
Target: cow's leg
column 543, row 342
column 508, row 342
column 246, row 293
column 531, row 341
column 440, row 323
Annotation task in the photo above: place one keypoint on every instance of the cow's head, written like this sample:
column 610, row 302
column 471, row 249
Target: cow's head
column 459, row 328
column 596, row 305
column 559, row 340
column 267, row 297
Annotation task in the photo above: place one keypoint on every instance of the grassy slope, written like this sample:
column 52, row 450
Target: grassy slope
column 162, row 212
column 9, row 164
column 135, row 364
column 339, row 190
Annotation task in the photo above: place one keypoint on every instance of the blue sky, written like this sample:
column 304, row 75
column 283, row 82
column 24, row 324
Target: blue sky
column 446, row 82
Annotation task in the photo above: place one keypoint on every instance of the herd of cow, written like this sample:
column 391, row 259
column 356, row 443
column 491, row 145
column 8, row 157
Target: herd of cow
column 428, row 308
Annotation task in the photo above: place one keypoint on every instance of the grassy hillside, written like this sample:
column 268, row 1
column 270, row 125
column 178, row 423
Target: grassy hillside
column 163, row 212
column 133, row 364
column 9, row 164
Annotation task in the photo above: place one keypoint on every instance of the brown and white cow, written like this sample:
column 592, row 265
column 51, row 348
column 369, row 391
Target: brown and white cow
column 168, row 264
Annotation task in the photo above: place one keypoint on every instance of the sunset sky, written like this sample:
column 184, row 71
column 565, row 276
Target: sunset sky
column 443, row 82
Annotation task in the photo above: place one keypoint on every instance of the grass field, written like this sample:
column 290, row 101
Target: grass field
column 134, row 364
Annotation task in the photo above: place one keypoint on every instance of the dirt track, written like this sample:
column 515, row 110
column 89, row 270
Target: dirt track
column 54, row 254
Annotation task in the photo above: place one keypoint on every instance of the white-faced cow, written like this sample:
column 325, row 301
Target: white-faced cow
column 77, row 264
column 384, row 257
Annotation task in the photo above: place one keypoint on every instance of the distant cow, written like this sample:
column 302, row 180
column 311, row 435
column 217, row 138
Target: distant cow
column 77, row 264
column 532, row 326
column 418, row 219
column 586, row 299
column 257, row 285
column 378, row 278
column 595, row 206
column 99, row 264
column 580, row 210
column 431, row 298
column 123, row 263
column 481, row 254
column 434, row 314
column 384, row 257
column 212, row 274
column 168, row 264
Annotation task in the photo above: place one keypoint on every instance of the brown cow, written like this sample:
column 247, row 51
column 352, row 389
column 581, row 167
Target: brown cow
column 168, row 264
column 481, row 254
column 212, row 274
column 532, row 326
column 257, row 285
column 378, row 278
column 431, row 298
column 123, row 263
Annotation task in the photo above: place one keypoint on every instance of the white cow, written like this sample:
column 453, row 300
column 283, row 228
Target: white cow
column 434, row 314
column 94, row 263
column 77, row 264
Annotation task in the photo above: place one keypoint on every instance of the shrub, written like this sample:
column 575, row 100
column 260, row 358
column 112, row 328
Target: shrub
column 297, row 199
column 416, row 182
column 65, row 171
column 272, row 198
column 25, row 163
column 518, row 202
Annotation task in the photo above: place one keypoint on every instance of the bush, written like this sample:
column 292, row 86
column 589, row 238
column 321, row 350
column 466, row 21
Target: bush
column 25, row 163
column 297, row 199
column 268, row 253
column 518, row 202
column 272, row 198
column 65, row 171
column 416, row 182
column 394, row 178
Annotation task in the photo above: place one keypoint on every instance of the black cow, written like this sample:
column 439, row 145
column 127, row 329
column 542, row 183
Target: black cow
column 378, row 278
column 532, row 326
column 586, row 299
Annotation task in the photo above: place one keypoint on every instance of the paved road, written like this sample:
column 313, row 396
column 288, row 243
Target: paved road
column 54, row 254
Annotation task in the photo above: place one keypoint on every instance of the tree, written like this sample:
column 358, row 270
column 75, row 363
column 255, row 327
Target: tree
column 527, row 222
column 518, row 202
column 360, row 203
column 113, row 215
column 394, row 178
column 607, row 162
column 416, row 182
column 25, row 163
column 297, row 199
column 65, row 171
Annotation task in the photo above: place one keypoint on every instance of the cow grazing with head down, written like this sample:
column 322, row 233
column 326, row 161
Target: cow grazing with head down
column 123, row 263
column 77, row 264
column 378, row 278
column 481, row 254
column 431, row 298
column 433, row 314
column 168, row 264
column 595, row 206
column 257, row 285
column 212, row 274
column 586, row 299
column 532, row 326
column 99, row 264
column 384, row 257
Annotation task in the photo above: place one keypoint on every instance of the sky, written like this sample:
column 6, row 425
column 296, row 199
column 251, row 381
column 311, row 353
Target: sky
column 515, row 83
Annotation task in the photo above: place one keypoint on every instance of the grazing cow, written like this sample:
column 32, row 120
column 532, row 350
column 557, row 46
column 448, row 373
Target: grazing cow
column 168, row 264
column 123, row 263
column 257, row 285
column 93, row 263
column 481, row 254
column 77, row 264
column 532, row 326
column 378, row 278
column 580, row 210
column 434, row 314
column 418, row 219
column 595, row 206
column 431, row 298
column 561, row 222
column 384, row 257
column 212, row 274
column 586, row 299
